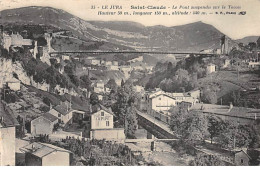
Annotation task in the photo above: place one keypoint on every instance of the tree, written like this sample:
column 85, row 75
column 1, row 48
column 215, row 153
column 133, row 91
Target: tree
column 53, row 61
column 94, row 99
column 252, row 45
column 178, row 116
column 131, row 122
column 169, row 67
column 74, row 79
column 47, row 101
column 188, row 125
column 194, row 80
column 182, row 75
column 111, row 84
column 237, row 135
column 206, row 160
column 122, row 83
column 209, row 96
column 68, row 69
column 167, row 85
column 41, row 41
column 195, row 127
column 125, row 109
column 86, row 82
column 215, row 127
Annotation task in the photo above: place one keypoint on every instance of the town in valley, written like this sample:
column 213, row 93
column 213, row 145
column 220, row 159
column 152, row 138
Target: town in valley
column 101, row 93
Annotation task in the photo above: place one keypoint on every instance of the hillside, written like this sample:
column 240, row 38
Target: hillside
column 248, row 39
column 192, row 37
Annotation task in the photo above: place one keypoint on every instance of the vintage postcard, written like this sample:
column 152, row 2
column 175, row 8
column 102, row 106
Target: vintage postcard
column 130, row 83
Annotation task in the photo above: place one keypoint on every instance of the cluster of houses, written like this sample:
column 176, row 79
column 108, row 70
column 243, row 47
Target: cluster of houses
column 213, row 68
column 40, row 154
column 110, row 65
column 99, row 124
column 254, row 63
column 16, row 40
column 13, row 40
column 158, row 103
column 131, row 65
column 98, row 119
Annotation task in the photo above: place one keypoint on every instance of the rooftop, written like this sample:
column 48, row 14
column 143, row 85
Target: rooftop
column 154, row 96
column 62, row 109
column 49, row 117
column 226, row 110
column 41, row 149
column 98, row 107
column 157, row 93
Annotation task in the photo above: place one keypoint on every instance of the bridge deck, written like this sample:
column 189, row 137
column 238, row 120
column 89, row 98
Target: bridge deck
column 138, row 52
column 156, row 122
column 147, row 140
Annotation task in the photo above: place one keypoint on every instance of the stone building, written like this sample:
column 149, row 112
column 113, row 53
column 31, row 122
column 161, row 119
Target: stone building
column 42, row 154
column 7, row 134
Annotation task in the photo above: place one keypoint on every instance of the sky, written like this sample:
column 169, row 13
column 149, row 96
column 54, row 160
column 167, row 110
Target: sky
column 235, row 26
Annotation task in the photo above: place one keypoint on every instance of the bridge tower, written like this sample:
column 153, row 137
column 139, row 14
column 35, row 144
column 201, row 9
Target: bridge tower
column 48, row 38
column 224, row 45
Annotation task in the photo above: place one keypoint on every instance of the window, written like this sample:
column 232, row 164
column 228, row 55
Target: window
column 59, row 115
column 160, row 98
column 242, row 161
column 107, row 123
column 102, row 113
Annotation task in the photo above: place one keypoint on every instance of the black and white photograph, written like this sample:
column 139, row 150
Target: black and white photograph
column 130, row 83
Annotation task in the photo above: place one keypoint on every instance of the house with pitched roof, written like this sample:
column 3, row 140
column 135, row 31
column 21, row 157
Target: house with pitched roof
column 241, row 158
column 63, row 112
column 42, row 154
column 101, row 117
column 8, row 123
column 101, row 124
column 66, row 113
column 43, row 124
column 160, row 102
